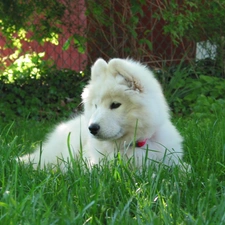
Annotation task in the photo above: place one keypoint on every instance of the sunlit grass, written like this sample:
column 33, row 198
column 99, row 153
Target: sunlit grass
column 114, row 192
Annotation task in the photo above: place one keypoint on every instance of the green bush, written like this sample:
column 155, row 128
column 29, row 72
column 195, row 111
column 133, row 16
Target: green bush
column 54, row 93
column 193, row 92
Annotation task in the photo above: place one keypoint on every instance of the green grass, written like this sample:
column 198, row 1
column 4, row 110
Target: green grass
column 114, row 193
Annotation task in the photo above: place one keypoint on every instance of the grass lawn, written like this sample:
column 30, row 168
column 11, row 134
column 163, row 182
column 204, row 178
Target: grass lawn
column 114, row 193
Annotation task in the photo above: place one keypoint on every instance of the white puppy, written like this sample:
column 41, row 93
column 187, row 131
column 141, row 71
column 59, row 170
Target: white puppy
column 124, row 111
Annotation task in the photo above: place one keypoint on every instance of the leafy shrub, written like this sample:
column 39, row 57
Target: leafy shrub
column 53, row 93
column 207, row 107
column 193, row 93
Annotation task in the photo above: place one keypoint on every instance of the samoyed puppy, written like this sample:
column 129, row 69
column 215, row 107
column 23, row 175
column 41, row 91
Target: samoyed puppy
column 125, row 111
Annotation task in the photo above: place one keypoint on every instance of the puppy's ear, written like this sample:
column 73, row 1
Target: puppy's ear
column 98, row 68
column 131, row 82
column 127, row 73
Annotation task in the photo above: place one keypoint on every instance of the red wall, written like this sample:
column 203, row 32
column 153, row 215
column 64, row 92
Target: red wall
column 73, row 19
column 164, row 51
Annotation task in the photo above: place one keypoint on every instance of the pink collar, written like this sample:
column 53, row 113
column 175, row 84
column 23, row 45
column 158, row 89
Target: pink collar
column 141, row 143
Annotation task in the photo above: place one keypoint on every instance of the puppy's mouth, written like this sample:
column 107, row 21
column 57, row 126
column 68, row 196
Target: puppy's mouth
column 105, row 137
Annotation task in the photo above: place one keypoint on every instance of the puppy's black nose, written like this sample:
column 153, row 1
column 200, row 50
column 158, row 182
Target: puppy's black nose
column 94, row 128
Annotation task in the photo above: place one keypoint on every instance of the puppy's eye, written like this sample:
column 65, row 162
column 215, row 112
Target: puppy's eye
column 115, row 105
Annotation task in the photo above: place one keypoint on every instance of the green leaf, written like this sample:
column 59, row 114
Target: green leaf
column 80, row 43
column 67, row 44
column 147, row 42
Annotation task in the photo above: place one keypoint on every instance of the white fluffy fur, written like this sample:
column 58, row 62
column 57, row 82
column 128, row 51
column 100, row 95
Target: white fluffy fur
column 143, row 114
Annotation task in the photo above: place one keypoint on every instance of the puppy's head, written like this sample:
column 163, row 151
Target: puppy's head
column 120, row 95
